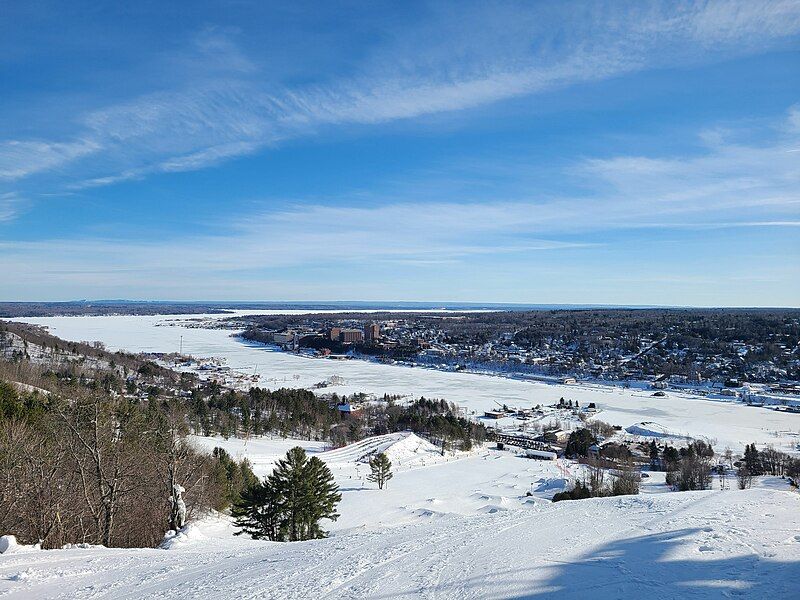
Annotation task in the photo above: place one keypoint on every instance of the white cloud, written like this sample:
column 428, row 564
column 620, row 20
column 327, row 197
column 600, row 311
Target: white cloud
column 725, row 186
column 724, row 21
column 793, row 120
column 459, row 58
column 20, row 159
column 9, row 202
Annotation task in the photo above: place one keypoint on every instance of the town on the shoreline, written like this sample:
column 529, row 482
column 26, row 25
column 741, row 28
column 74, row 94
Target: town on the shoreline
column 743, row 353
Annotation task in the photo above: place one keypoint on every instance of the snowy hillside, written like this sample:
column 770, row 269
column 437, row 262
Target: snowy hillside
column 470, row 525
column 404, row 449
column 477, row 524
column 681, row 545
column 263, row 452
column 425, row 484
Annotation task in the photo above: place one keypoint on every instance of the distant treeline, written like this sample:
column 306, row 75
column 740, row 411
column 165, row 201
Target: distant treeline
column 12, row 310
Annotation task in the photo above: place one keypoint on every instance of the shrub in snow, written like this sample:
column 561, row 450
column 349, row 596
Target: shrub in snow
column 22, row 575
column 579, row 492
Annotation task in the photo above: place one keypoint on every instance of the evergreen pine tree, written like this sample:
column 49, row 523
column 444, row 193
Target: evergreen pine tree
column 288, row 481
column 752, row 459
column 257, row 513
column 381, row 468
column 653, row 454
column 290, row 504
column 324, row 496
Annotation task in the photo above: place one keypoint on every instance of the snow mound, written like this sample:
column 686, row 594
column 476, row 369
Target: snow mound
column 22, row 575
column 492, row 498
column 403, row 449
column 490, row 509
column 80, row 545
column 411, row 448
column 188, row 534
column 425, row 513
column 551, row 484
column 652, row 429
column 9, row 545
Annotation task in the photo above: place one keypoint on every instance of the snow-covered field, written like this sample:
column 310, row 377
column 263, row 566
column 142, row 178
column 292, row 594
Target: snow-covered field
column 729, row 423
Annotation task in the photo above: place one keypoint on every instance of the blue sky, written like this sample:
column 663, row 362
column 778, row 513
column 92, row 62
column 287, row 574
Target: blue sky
column 532, row 152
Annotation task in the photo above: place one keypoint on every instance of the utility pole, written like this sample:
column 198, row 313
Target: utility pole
column 181, row 346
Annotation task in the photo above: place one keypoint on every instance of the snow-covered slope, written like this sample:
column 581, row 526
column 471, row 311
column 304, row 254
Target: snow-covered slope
column 263, row 452
column 403, row 449
column 681, row 545
column 649, row 429
column 470, row 525
column 425, row 483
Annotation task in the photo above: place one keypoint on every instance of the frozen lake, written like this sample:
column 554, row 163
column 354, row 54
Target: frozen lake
column 729, row 423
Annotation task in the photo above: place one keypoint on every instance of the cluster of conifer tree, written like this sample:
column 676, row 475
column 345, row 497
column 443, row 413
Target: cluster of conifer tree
column 767, row 461
column 291, row 503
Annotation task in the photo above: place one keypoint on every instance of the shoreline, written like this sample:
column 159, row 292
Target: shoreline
column 579, row 381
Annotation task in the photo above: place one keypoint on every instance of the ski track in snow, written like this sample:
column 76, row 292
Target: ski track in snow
column 695, row 544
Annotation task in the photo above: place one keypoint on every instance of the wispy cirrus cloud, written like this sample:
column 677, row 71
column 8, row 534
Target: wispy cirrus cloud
column 460, row 57
column 727, row 185
column 8, row 206
column 22, row 158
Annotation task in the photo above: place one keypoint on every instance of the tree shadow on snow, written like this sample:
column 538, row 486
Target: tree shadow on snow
column 651, row 567
column 654, row 566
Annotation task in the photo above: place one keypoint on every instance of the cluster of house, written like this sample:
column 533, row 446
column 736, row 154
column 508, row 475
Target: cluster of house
column 423, row 341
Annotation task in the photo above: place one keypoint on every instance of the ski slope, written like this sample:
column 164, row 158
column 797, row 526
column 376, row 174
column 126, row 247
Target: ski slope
column 404, row 449
column 680, row 545
column 477, row 524
column 425, row 484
